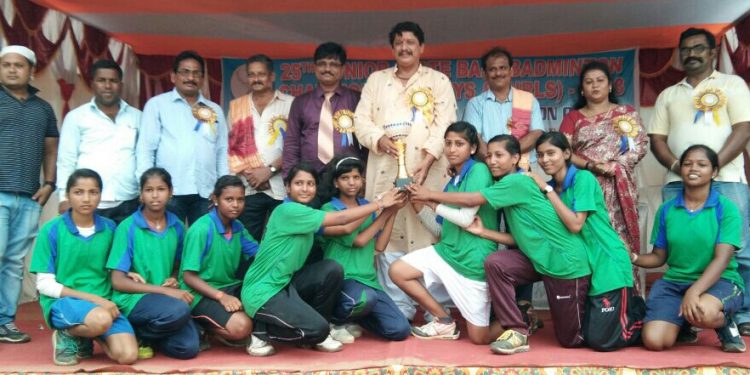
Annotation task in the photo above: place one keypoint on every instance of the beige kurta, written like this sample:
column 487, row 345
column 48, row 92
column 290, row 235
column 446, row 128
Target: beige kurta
column 385, row 100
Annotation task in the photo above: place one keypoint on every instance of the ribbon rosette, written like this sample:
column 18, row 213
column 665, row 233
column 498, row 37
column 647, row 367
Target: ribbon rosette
column 277, row 127
column 627, row 127
column 707, row 103
column 205, row 115
column 343, row 122
column 421, row 101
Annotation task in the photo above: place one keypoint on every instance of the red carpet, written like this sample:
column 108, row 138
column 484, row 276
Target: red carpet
column 370, row 355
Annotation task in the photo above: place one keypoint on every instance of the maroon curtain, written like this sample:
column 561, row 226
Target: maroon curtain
column 26, row 30
column 657, row 73
column 155, row 76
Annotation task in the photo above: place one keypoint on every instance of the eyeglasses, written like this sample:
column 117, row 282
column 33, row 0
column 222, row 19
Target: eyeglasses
column 188, row 73
column 698, row 49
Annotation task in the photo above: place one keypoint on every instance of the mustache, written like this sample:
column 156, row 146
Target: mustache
column 405, row 53
column 257, row 83
column 689, row 59
column 190, row 83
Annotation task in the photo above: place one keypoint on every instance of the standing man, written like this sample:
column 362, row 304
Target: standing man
column 321, row 122
column 422, row 98
column 100, row 135
column 503, row 109
column 186, row 134
column 710, row 108
column 28, row 143
column 258, row 122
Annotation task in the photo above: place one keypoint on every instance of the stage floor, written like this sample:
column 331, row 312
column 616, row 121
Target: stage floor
column 370, row 355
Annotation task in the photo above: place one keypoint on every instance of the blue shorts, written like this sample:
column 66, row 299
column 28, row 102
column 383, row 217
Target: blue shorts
column 68, row 312
column 666, row 296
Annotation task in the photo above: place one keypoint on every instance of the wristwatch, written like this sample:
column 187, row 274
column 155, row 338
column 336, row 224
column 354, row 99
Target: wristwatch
column 272, row 169
column 547, row 189
column 50, row 184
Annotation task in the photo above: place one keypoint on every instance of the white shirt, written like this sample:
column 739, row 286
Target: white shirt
column 270, row 150
column 90, row 139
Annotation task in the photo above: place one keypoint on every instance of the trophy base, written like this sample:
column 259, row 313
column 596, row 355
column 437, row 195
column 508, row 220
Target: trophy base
column 403, row 182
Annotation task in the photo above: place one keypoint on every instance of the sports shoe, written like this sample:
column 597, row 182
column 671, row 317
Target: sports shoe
column 145, row 351
column 687, row 335
column 9, row 333
column 259, row 348
column 329, row 345
column 744, row 329
column 435, row 330
column 64, row 348
column 354, row 329
column 533, row 323
column 233, row 343
column 85, row 348
column 729, row 335
column 340, row 334
column 203, row 343
column 510, row 342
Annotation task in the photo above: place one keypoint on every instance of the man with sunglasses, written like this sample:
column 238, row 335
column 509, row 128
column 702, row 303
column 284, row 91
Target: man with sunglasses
column 186, row 134
column 710, row 108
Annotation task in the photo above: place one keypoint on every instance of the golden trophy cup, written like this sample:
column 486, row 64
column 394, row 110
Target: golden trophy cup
column 398, row 133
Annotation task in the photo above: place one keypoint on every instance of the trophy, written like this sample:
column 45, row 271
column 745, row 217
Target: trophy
column 398, row 133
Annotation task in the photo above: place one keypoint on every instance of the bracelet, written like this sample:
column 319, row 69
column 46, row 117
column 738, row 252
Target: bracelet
column 219, row 296
column 586, row 166
column 633, row 257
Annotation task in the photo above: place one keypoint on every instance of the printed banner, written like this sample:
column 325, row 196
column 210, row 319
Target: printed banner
column 553, row 80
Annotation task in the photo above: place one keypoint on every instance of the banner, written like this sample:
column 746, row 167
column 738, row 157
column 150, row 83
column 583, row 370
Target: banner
column 553, row 80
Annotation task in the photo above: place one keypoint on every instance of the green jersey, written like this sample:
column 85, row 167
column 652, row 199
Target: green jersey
column 78, row 262
column 140, row 249
column 537, row 229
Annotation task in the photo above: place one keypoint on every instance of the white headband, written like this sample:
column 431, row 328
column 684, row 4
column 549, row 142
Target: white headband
column 21, row 50
column 346, row 158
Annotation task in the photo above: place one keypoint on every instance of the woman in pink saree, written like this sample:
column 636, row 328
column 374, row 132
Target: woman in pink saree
column 609, row 140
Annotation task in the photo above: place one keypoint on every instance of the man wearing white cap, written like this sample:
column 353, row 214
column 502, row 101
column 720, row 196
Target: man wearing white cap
column 28, row 144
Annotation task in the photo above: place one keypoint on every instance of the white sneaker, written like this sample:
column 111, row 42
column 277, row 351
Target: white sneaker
column 340, row 334
column 436, row 330
column 354, row 329
column 329, row 345
column 259, row 348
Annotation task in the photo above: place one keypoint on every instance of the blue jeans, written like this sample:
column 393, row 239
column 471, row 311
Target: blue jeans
column 372, row 309
column 166, row 322
column 19, row 221
column 739, row 194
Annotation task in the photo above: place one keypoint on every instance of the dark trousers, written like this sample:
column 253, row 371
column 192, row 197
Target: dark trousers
column 188, row 207
column 120, row 212
column 510, row 268
column 166, row 323
column 372, row 309
column 299, row 313
column 258, row 208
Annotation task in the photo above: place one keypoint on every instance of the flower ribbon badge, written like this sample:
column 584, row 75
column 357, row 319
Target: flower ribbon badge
column 205, row 115
column 343, row 122
column 627, row 127
column 421, row 101
column 708, row 103
column 277, row 127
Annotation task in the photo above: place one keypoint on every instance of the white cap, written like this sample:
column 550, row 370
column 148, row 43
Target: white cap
column 21, row 50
